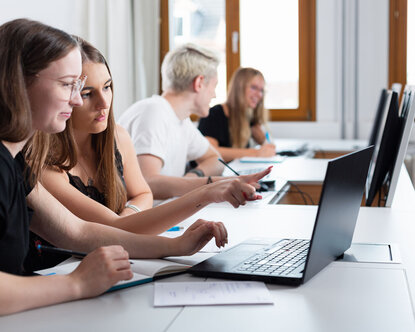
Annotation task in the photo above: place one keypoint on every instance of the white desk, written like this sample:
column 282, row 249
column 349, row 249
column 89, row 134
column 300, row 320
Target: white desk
column 342, row 297
column 293, row 169
column 301, row 170
column 324, row 145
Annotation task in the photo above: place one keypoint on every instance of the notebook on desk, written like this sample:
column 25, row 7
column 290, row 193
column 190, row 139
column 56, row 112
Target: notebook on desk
column 295, row 261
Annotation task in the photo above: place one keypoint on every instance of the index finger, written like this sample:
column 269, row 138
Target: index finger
column 260, row 175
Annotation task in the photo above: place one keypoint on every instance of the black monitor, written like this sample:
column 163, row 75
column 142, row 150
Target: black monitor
column 385, row 150
column 380, row 112
column 406, row 116
column 390, row 148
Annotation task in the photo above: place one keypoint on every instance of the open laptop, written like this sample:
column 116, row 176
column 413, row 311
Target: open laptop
column 295, row 261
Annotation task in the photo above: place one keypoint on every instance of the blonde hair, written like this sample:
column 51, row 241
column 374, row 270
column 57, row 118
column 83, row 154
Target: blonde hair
column 241, row 117
column 183, row 64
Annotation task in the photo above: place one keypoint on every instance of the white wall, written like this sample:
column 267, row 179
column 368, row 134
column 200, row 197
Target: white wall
column 352, row 59
column 63, row 14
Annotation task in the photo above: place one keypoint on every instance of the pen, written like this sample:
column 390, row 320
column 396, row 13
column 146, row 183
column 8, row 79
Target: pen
column 175, row 229
column 60, row 251
column 267, row 137
column 223, row 162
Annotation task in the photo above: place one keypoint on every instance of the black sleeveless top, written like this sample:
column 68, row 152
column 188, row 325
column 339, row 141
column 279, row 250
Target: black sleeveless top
column 37, row 261
column 91, row 191
column 216, row 125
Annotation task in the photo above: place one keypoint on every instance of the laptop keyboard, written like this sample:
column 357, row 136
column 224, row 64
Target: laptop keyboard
column 281, row 259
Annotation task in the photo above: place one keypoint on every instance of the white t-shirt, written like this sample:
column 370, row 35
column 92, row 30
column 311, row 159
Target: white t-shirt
column 155, row 129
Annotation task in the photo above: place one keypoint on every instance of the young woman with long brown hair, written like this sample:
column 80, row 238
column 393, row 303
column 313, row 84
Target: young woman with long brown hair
column 40, row 70
column 93, row 156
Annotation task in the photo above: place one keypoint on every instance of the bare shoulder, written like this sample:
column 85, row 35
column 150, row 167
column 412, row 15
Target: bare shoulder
column 124, row 142
column 53, row 173
column 121, row 134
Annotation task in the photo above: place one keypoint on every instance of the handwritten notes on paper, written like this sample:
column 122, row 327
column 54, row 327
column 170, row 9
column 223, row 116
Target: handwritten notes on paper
column 210, row 293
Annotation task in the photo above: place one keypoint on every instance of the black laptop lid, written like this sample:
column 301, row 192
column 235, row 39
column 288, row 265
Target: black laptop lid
column 339, row 206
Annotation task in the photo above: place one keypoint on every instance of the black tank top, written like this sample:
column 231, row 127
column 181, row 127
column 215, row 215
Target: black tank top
column 37, row 261
column 91, row 191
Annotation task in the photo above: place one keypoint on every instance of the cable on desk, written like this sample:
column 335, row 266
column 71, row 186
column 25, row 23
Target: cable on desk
column 299, row 191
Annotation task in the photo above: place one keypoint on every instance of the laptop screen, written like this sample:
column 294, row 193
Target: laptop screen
column 339, row 205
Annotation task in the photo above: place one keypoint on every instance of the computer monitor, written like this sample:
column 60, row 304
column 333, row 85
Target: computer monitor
column 390, row 148
column 380, row 112
column 406, row 115
column 385, row 150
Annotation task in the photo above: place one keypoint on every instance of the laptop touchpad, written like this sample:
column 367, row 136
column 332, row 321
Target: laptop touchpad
column 229, row 259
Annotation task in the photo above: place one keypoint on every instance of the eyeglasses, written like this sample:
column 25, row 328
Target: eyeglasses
column 72, row 88
column 256, row 88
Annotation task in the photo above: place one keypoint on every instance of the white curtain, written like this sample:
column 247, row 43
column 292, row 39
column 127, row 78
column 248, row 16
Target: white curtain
column 127, row 33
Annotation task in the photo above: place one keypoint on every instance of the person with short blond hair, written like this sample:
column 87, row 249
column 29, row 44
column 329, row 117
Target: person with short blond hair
column 164, row 137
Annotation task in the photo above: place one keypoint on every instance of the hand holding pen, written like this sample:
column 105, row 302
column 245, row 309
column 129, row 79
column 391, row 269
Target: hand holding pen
column 268, row 149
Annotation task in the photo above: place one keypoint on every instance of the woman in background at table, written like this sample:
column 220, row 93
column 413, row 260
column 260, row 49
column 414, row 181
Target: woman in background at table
column 93, row 180
column 229, row 126
column 40, row 70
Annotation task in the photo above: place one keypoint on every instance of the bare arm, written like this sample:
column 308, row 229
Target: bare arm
column 163, row 186
column 56, row 224
column 138, row 191
column 97, row 272
column 229, row 154
column 155, row 220
column 209, row 164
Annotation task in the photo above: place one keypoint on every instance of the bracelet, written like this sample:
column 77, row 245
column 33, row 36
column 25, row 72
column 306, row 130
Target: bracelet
column 133, row 207
column 197, row 171
column 209, row 180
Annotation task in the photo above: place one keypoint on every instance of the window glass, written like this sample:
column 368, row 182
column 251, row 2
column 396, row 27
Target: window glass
column 201, row 22
column 269, row 42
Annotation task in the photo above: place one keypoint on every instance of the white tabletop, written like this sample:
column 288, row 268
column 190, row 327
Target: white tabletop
column 326, row 145
column 343, row 297
column 293, row 169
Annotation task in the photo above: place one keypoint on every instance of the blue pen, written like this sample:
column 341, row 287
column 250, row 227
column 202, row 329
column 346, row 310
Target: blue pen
column 175, row 229
column 267, row 137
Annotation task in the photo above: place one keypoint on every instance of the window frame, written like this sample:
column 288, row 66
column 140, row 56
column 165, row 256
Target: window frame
column 306, row 110
column 398, row 12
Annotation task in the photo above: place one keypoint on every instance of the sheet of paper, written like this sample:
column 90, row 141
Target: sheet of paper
column 210, row 293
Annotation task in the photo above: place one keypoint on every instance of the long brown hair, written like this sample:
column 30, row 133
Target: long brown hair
column 240, row 118
column 63, row 153
column 26, row 48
